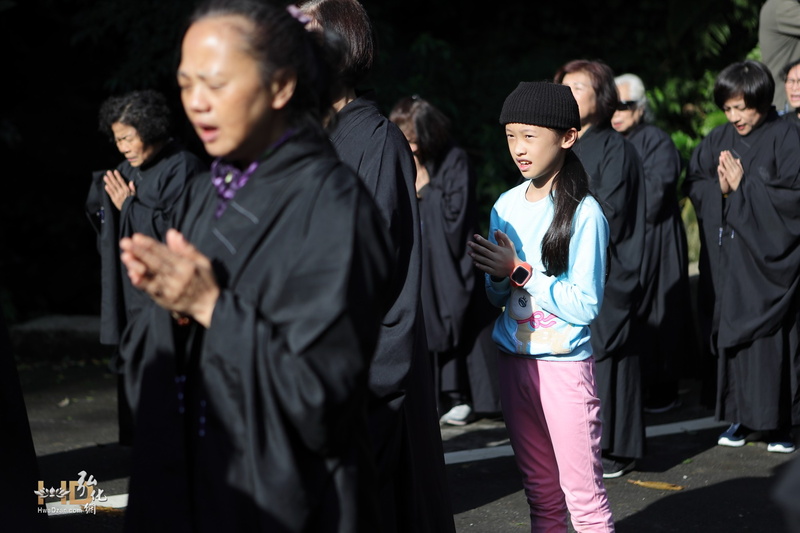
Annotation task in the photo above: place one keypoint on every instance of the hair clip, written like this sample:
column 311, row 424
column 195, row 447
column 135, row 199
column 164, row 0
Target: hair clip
column 298, row 14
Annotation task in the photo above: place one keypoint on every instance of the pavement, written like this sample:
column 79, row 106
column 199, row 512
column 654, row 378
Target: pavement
column 71, row 402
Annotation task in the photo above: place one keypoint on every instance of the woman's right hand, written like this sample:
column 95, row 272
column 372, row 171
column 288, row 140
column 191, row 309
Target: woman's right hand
column 117, row 188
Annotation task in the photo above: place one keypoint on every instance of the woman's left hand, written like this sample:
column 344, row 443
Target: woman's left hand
column 498, row 259
column 175, row 275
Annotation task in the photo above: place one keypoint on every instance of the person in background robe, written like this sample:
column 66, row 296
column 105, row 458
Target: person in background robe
column 743, row 182
column 616, row 180
column 248, row 373
column 791, row 83
column 455, row 307
column 137, row 196
column 403, row 419
column 666, row 310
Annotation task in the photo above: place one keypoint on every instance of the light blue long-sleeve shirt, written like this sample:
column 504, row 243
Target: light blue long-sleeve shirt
column 548, row 318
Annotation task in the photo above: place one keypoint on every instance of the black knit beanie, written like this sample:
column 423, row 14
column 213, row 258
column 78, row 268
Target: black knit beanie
column 541, row 103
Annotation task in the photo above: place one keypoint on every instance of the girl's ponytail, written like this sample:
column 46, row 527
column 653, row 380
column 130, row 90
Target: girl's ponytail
column 570, row 187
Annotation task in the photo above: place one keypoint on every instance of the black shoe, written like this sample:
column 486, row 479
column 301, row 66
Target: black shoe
column 614, row 467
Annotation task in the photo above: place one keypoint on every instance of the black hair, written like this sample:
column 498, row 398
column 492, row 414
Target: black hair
column 605, row 88
column 429, row 126
column 349, row 19
column 570, row 187
column 279, row 42
column 749, row 79
column 146, row 111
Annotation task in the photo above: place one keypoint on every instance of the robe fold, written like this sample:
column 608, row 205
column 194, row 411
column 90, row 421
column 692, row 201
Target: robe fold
column 666, row 311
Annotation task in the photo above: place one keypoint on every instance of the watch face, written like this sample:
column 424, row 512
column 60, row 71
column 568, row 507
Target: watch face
column 520, row 275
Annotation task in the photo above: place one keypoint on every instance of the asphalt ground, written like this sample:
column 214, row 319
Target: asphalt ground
column 71, row 402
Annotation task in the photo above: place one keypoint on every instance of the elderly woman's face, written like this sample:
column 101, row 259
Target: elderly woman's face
column 629, row 113
column 222, row 89
column 582, row 89
column 130, row 144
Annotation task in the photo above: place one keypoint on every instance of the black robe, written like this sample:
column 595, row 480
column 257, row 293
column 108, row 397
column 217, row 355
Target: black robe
column 19, row 476
column 457, row 312
column 752, row 246
column 615, row 179
column 792, row 117
column 666, row 310
column 158, row 183
column 258, row 423
column 403, row 420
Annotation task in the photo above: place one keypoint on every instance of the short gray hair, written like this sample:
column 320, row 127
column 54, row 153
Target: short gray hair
column 637, row 91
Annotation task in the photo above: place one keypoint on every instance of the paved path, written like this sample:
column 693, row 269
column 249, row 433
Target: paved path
column 71, row 401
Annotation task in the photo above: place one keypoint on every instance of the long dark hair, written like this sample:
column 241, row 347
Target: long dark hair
column 570, row 187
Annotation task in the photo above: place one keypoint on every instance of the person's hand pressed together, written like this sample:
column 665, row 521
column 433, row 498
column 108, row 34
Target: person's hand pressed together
column 175, row 275
column 117, row 188
column 499, row 259
column 730, row 172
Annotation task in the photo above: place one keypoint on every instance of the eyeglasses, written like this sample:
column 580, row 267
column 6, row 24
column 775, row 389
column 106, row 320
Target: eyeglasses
column 791, row 82
column 627, row 105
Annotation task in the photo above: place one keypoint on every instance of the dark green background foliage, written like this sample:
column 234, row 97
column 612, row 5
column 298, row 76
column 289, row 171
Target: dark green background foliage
column 62, row 58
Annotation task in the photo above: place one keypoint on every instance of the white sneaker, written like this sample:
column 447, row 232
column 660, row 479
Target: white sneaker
column 460, row 415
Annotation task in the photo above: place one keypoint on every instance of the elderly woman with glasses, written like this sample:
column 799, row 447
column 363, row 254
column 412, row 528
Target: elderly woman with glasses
column 791, row 83
column 665, row 309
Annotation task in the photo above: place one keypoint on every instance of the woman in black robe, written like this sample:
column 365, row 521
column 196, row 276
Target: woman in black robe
column 456, row 310
column 249, row 376
column 665, row 311
column 136, row 197
column 402, row 412
column 744, row 182
column 615, row 179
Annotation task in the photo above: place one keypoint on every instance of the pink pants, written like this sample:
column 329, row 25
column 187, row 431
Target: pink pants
column 552, row 414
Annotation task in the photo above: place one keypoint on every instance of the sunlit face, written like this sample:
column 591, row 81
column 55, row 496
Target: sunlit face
column 744, row 119
column 538, row 152
column 583, row 91
column 629, row 113
column 130, row 144
column 792, row 85
column 222, row 90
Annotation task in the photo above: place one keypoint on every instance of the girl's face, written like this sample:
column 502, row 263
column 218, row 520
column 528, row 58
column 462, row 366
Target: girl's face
column 583, row 91
column 538, row 152
column 744, row 119
column 792, row 85
column 130, row 144
column 222, row 90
